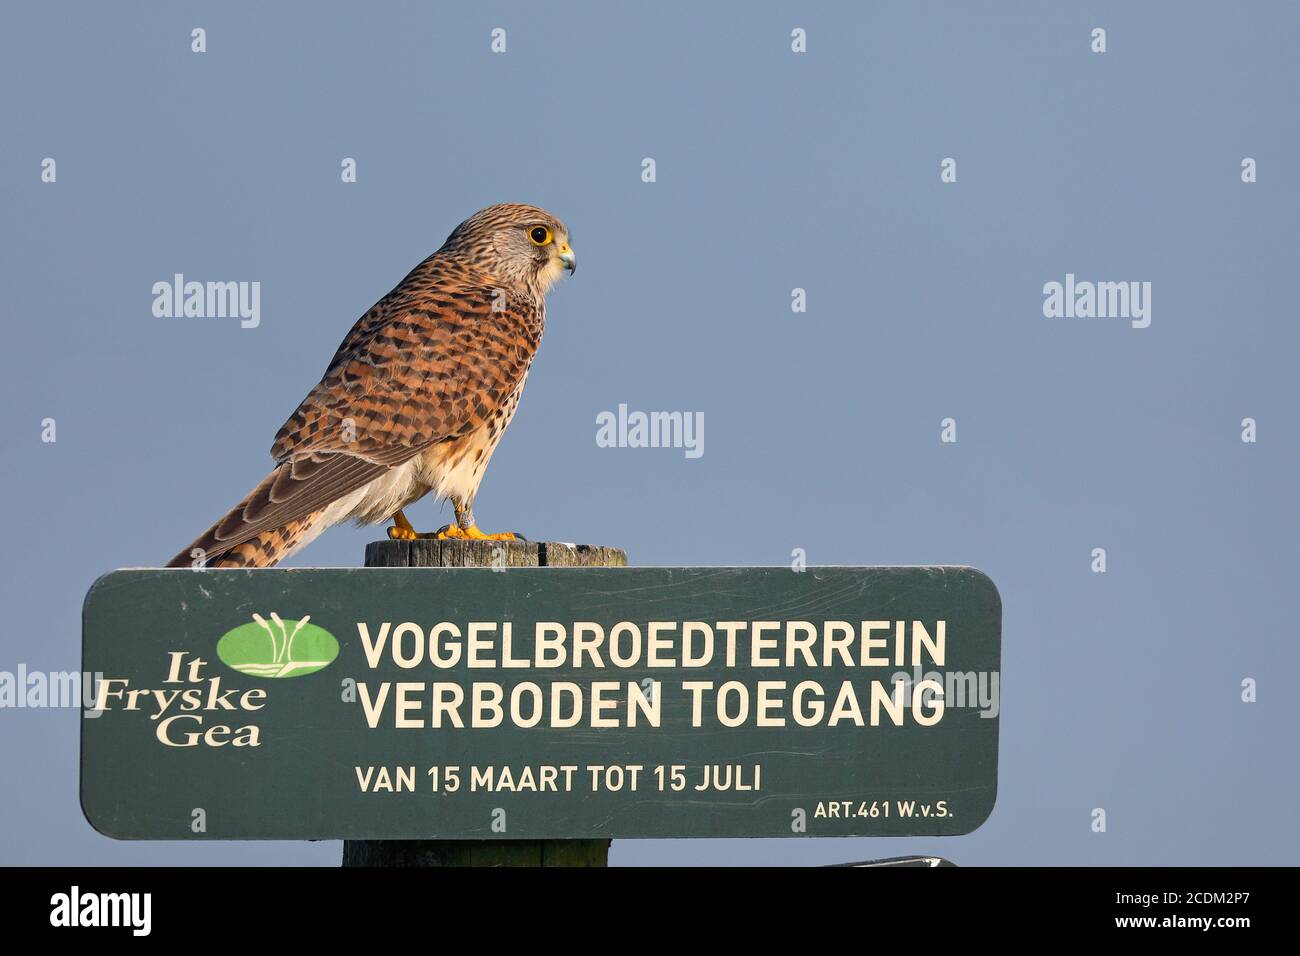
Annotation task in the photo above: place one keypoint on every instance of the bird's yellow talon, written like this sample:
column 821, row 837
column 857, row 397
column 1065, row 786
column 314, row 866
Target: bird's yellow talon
column 402, row 530
column 472, row 533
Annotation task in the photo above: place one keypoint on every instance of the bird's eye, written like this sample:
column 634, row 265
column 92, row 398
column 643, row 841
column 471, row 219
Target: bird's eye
column 540, row 235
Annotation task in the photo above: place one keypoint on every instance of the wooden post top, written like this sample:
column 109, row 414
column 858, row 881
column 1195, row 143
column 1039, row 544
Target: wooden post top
column 452, row 553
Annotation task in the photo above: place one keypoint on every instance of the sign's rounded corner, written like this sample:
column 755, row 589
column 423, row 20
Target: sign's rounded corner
column 90, row 818
column 993, row 804
column 97, row 585
column 980, row 574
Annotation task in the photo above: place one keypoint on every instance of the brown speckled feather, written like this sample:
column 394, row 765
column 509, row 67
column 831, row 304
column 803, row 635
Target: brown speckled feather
column 440, row 357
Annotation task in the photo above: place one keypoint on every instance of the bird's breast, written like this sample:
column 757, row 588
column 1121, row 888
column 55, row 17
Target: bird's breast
column 456, row 467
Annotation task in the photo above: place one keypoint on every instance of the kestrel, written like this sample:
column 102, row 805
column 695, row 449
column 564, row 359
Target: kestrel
column 414, row 401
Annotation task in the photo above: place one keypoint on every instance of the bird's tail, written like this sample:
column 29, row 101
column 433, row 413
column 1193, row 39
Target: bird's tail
column 237, row 540
column 264, row 550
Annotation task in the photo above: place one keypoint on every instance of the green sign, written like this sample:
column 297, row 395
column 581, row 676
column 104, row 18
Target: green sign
column 540, row 703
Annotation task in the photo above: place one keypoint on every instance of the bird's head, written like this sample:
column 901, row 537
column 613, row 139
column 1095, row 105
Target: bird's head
column 521, row 245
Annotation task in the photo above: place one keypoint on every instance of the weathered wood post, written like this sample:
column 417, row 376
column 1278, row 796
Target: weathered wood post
column 430, row 553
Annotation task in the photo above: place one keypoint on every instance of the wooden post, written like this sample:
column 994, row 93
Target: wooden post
column 430, row 553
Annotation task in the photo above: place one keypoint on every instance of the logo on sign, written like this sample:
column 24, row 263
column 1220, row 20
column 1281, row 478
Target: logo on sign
column 278, row 648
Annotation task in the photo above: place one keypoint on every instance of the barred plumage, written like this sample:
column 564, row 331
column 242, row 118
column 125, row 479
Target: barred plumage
column 415, row 399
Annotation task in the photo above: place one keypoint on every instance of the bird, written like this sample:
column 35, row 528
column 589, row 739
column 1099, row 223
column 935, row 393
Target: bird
column 414, row 401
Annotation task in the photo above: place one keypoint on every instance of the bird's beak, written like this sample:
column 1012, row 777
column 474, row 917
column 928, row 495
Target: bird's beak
column 569, row 260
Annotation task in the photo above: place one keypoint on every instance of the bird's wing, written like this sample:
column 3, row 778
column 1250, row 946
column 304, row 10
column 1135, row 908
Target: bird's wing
column 432, row 361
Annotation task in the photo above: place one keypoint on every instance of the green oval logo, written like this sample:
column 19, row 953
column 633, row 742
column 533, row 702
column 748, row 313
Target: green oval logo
column 277, row 648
